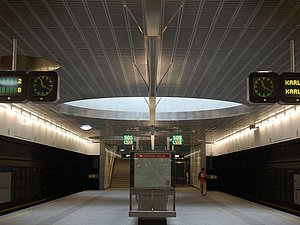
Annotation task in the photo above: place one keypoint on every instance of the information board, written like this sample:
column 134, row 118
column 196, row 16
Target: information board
column 290, row 88
column 152, row 170
column 13, row 86
column 37, row 86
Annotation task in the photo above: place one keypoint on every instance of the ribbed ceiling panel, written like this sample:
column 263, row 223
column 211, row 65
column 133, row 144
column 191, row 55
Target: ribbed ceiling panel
column 213, row 45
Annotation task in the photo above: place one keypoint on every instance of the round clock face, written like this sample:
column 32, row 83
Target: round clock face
column 263, row 87
column 42, row 85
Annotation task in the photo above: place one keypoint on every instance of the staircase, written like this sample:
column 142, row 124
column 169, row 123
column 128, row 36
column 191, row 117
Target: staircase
column 121, row 174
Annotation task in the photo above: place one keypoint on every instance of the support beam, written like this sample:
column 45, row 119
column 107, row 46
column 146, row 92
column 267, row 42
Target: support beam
column 152, row 141
column 152, row 12
column 14, row 55
column 292, row 54
column 152, row 109
column 102, row 155
column 168, row 143
column 153, row 17
column 137, row 143
column 152, row 63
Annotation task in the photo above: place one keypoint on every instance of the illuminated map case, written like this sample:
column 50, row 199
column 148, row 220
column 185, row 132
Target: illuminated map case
column 152, row 170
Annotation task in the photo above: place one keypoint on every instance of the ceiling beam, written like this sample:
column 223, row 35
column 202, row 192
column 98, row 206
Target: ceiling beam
column 153, row 17
column 152, row 12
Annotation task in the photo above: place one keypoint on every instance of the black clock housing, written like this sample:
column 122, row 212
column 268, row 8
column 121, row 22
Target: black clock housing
column 43, row 86
column 263, row 87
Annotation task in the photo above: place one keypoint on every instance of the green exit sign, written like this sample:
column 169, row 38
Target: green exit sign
column 128, row 139
column 177, row 139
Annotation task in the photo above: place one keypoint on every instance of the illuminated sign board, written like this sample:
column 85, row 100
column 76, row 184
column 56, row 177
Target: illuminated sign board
column 19, row 86
column 177, row 139
column 290, row 88
column 13, row 86
column 263, row 87
column 128, row 139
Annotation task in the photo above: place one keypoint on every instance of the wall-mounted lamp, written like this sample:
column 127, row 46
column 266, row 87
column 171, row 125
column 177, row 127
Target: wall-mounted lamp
column 253, row 127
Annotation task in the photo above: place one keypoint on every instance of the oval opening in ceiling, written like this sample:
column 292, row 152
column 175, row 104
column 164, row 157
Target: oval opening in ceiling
column 167, row 109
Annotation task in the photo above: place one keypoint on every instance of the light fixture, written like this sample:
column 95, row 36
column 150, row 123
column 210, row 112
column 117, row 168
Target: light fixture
column 253, row 126
column 85, row 127
column 264, row 71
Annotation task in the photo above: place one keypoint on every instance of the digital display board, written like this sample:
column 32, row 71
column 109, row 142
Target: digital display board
column 43, row 86
column 263, row 87
column 290, row 88
column 177, row 139
column 13, row 86
column 128, row 139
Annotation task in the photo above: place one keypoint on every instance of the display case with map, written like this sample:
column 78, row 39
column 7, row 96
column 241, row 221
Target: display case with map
column 152, row 184
column 157, row 166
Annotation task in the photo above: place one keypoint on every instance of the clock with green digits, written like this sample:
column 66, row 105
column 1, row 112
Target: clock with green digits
column 43, row 86
column 263, row 87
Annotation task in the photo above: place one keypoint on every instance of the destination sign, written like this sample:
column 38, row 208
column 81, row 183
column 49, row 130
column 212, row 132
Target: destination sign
column 290, row 88
column 13, row 86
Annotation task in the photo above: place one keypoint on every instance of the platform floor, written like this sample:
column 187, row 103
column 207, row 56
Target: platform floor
column 110, row 207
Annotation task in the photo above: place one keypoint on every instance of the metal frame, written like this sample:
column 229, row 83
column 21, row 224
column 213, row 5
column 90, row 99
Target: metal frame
column 152, row 213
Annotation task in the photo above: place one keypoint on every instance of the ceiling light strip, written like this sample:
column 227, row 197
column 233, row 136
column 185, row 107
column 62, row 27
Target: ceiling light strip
column 28, row 114
column 274, row 117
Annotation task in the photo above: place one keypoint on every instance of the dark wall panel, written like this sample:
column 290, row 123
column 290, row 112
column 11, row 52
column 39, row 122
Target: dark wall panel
column 263, row 174
column 43, row 172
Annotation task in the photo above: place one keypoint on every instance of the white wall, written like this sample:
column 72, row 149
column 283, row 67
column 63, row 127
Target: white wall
column 278, row 127
column 21, row 124
column 110, row 156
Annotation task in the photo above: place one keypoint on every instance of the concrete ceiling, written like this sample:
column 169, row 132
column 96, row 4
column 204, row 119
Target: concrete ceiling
column 206, row 48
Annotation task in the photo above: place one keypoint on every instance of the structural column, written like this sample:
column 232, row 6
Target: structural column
column 102, row 156
column 137, row 143
column 168, row 143
column 203, row 154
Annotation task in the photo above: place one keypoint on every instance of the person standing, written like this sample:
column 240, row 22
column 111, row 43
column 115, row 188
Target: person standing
column 202, row 180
